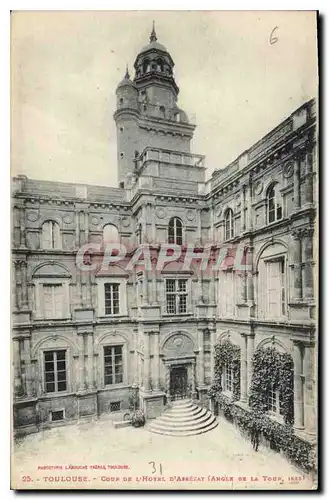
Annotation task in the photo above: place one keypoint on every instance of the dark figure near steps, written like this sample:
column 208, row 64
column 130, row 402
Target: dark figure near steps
column 255, row 437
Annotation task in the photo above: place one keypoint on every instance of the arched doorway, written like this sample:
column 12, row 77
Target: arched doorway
column 178, row 382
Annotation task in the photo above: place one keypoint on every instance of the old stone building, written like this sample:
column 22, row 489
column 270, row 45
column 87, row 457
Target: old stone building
column 85, row 335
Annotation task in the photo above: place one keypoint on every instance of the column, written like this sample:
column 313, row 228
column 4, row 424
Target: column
column 297, row 266
column 298, row 387
column 81, row 344
column 201, row 359
column 146, row 381
column 22, row 228
column 249, row 225
column 15, row 271
column 86, row 217
column 212, row 291
column 90, row 361
column 24, row 284
column 309, row 389
column 17, row 367
column 307, row 268
column 243, row 208
column 136, row 374
column 156, row 361
column 198, row 220
column 309, row 178
column 250, row 274
column 153, row 226
column 211, row 235
column 297, row 183
column 167, row 382
column 243, row 370
column 193, row 381
column 145, row 287
column 77, row 230
column 250, row 354
column 28, row 367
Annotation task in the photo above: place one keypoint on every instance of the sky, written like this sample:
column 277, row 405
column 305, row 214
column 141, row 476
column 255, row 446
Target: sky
column 65, row 67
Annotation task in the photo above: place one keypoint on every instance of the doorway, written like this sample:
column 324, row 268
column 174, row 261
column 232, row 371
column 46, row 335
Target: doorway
column 178, row 383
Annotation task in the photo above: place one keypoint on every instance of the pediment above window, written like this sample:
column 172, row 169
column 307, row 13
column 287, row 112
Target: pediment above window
column 51, row 269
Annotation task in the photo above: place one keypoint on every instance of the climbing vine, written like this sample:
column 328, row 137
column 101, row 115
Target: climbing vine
column 269, row 367
column 272, row 368
column 226, row 353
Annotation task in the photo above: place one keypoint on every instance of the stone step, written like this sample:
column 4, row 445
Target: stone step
column 181, row 402
column 182, row 411
column 184, row 423
column 179, row 427
column 186, row 433
column 169, row 417
column 185, row 406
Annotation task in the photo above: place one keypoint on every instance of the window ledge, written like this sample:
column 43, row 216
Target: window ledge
column 178, row 315
column 275, row 418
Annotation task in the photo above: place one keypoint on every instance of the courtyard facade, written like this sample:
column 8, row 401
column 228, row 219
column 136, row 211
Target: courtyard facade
column 86, row 336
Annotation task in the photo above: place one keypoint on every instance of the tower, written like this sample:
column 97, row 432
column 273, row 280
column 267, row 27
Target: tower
column 147, row 113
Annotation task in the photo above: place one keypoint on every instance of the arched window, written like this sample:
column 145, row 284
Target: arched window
column 51, row 235
column 229, row 224
column 274, row 204
column 139, row 234
column 146, row 63
column 175, row 231
column 110, row 234
column 160, row 65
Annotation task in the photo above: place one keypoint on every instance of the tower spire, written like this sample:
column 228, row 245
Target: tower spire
column 127, row 76
column 153, row 37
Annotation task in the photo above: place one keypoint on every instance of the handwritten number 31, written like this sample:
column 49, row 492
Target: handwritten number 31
column 273, row 38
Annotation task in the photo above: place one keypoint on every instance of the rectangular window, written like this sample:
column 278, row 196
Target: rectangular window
column 226, row 287
column 228, row 378
column 55, row 371
column 276, row 288
column 53, row 300
column 113, row 365
column 274, row 401
column 56, row 416
column 115, row 406
column 111, row 298
column 176, row 296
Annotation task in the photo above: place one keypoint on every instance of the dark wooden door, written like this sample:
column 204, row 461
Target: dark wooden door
column 178, row 382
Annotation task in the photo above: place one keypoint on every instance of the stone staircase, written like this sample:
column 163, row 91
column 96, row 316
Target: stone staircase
column 184, row 418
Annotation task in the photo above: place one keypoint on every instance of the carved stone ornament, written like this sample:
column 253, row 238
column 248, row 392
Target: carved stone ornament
column 160, row 213
column 67, row 219
column 288, row 169
column 125, row 221
column 95, row 221
column 218, row 213
column 258, row 187
column 190, row 215
column 238, row 200
column 32, row 216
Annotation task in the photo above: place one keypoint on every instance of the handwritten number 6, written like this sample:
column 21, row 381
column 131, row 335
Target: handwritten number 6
column 273, row 39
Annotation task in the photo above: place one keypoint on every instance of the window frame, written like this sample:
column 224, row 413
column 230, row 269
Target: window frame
column 229, row 224
column 277, row 201
column 38, row 304
column 177, row 294
column 54, row 352
column 282, row 259
column 274, row 395
column 111, row 286
column 55, row 240
column 121, row 280
column 175, row 238
column 227, row 378
column 112, row 347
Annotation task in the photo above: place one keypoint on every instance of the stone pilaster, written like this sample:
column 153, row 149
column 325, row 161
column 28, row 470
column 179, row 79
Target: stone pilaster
column 22, row 228
column 90, row 361
column 156, row 356
column 243, row 208
column 28, row 368
column 307, row 267
column 146, row 377
column 18, row 388
column 309, row 177
column 249, row 222
column 297, row 265
column 77, row 230
column 310, row 420
column 243, row 370
column 201, row 359
column 193, row 381
column 250, row 354
column 297, row 182
column 298, row 386
column 82, row 375
column 24, row 296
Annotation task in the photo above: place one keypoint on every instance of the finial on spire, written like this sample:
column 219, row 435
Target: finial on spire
column 127, row 76
column 153, row 37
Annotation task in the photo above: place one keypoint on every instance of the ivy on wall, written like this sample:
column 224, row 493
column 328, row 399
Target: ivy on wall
column 273, row 368
column 269, row 367
column 226, row 353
